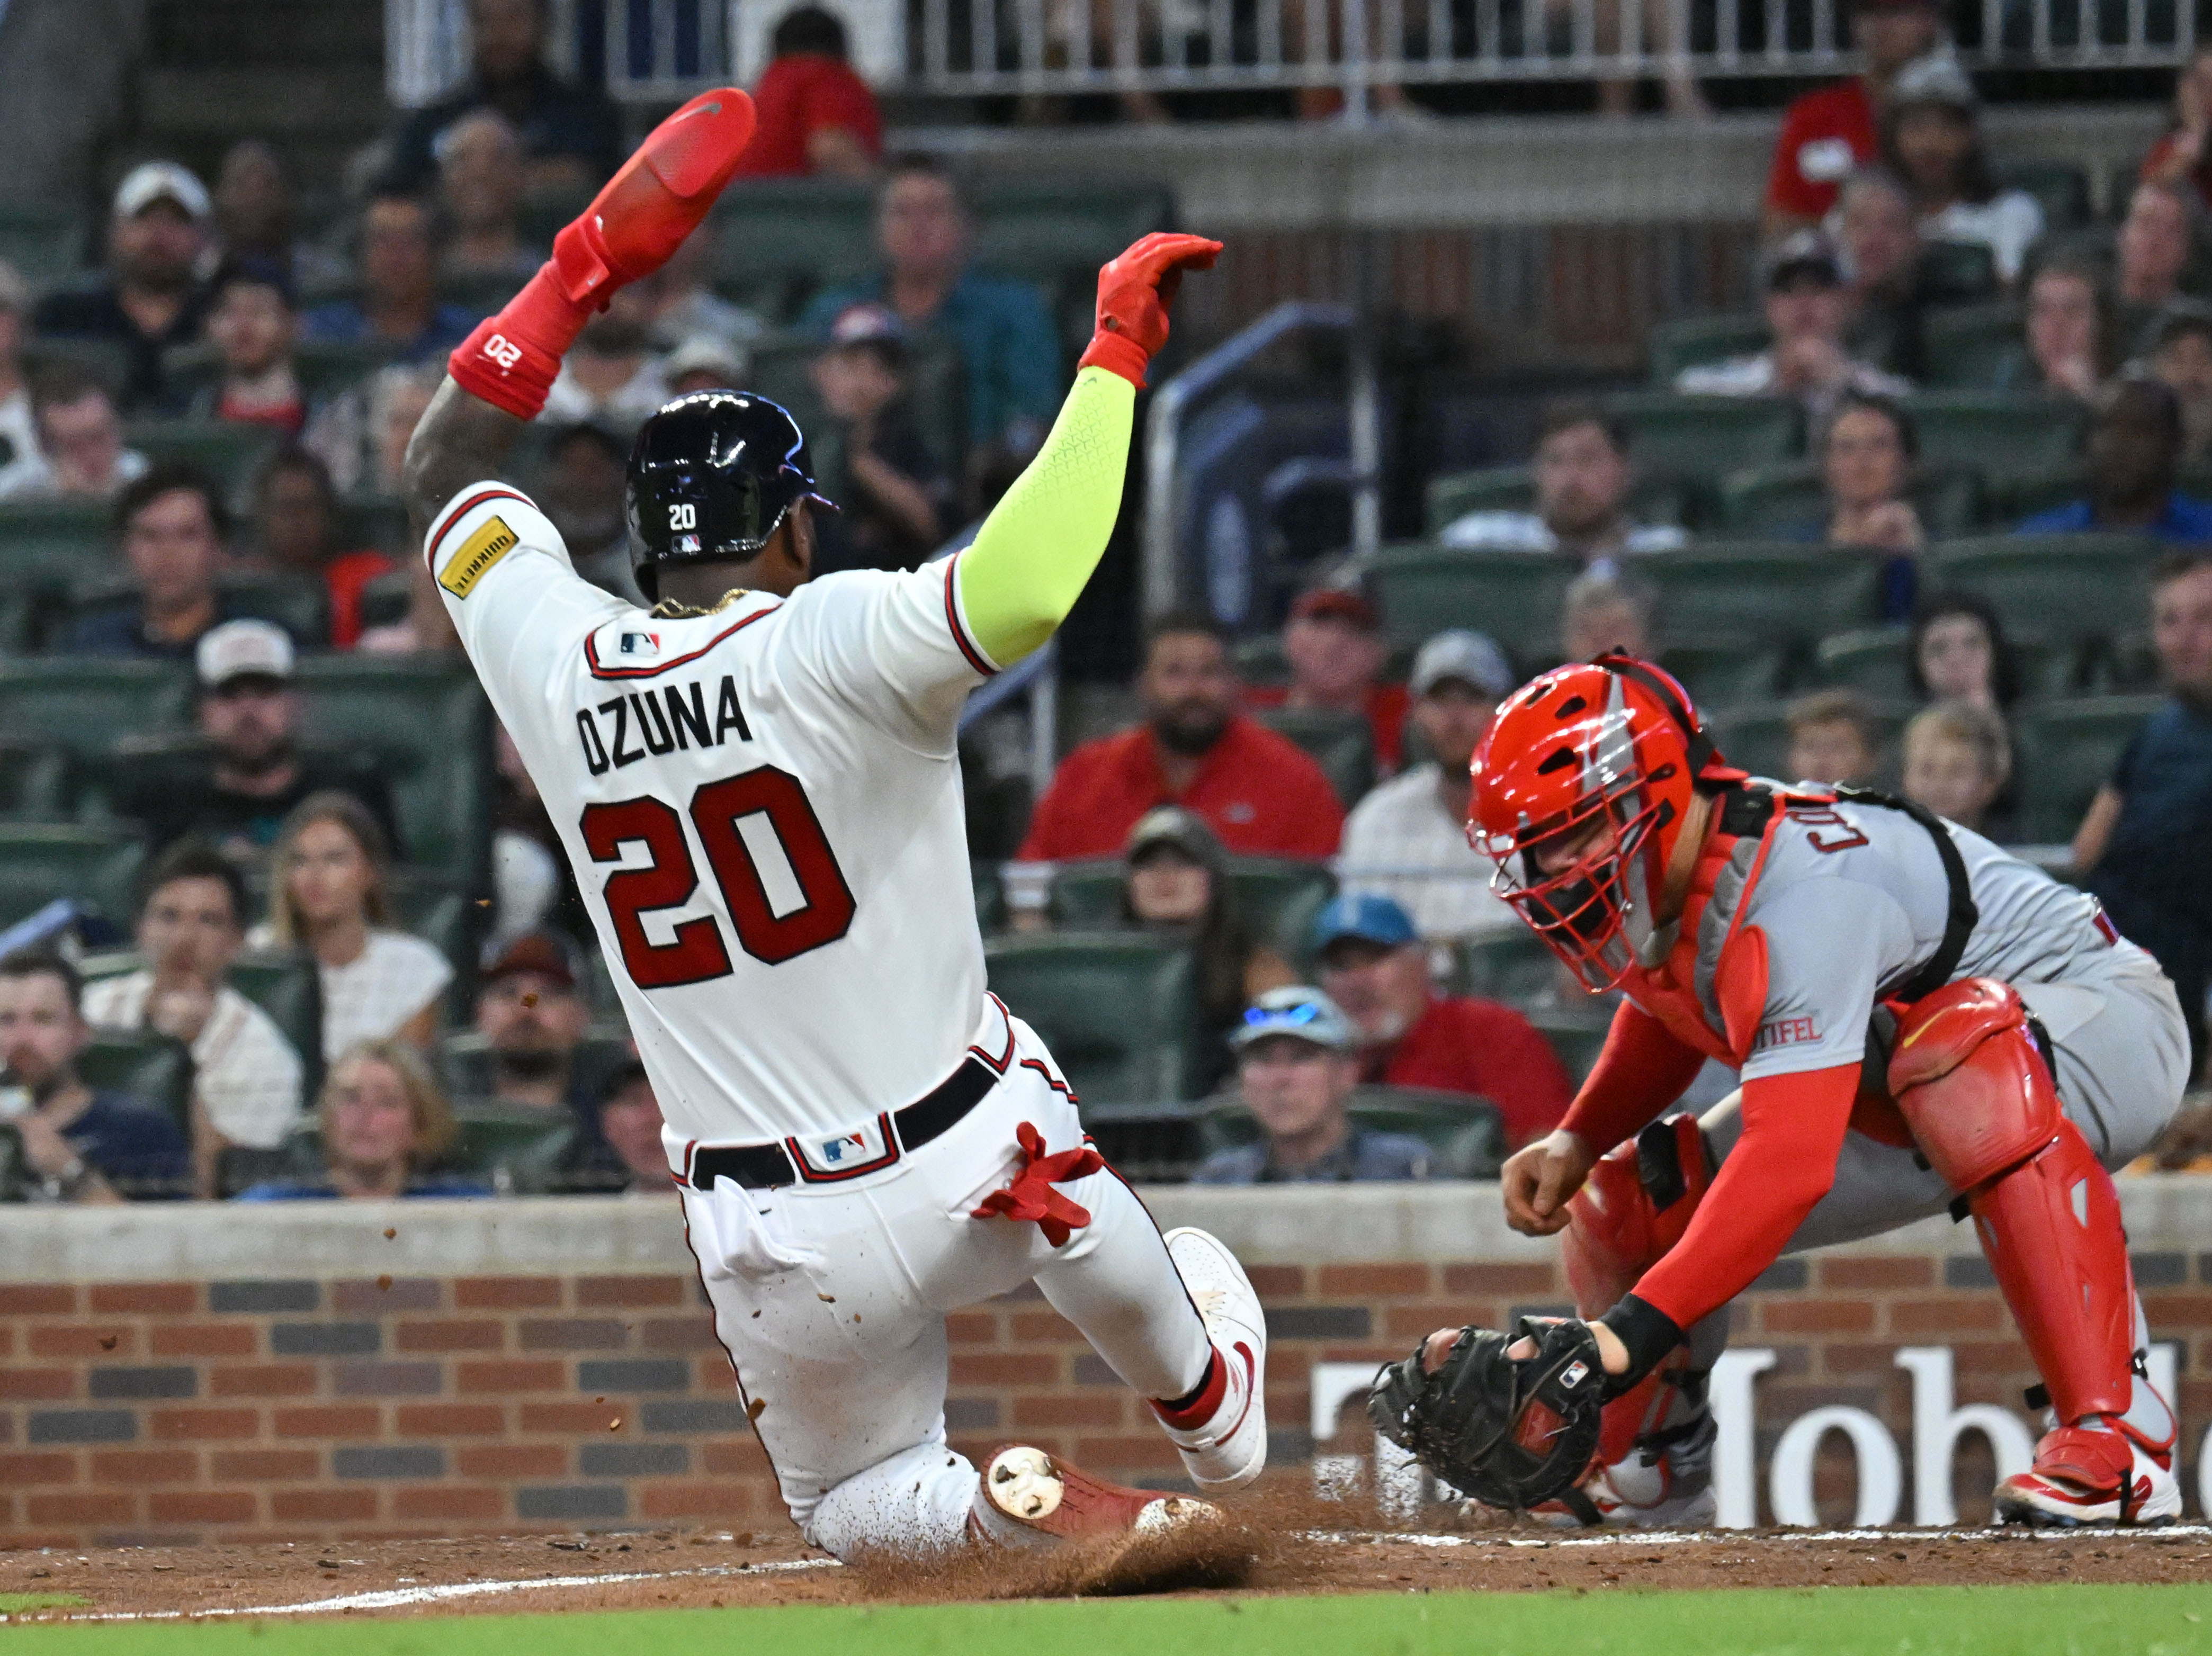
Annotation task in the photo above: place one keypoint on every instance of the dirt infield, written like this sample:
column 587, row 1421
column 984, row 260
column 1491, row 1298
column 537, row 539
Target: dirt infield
column 1294, row 1548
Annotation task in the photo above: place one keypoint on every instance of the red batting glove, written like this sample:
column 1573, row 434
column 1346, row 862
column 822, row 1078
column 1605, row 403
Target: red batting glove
column 657, row 198
column 1031, row 1199
column 1135, row 291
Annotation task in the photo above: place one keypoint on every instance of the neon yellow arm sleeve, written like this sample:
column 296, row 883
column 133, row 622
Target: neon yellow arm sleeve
column 1038, row 547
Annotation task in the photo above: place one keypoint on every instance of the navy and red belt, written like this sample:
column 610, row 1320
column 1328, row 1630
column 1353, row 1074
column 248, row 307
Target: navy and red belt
column 781, row 1162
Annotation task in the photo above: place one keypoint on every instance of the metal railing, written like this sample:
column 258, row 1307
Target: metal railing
column 1192, row 529
column 661, row 50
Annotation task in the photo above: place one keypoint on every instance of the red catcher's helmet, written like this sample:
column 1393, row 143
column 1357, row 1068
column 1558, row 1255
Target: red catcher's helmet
column 1603, row 757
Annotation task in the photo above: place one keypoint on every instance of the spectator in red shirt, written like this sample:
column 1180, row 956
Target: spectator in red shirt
column 1829, row 134
column 1256, row 788
column 1375, row 967
column 1333, row 640
column 815, row 116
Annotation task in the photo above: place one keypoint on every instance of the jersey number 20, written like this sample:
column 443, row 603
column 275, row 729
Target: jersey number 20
column 696, row 953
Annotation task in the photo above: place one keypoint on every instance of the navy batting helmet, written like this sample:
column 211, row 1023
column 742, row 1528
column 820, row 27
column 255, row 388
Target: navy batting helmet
column 712, row 475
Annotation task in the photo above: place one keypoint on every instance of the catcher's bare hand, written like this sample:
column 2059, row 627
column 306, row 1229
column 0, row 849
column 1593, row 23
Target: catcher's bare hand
column 1538, row 1180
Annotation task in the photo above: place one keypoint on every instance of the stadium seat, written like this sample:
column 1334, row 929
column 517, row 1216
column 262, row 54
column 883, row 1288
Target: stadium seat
column 1722, row 672
column 1342, row 743
column 299, row 604
column 1757, row 740
column 1674, row 436
column 1873, row 659
column 1510, row 964
column 1512, row 596
column 1761, row 591
column 1116, row 1008
column 42, row 861
column 1958, row 273
column 107, row 360
column 1973, row 347
column 34, row 781
column 510, row 1147
column 990, row 893
column 2067, row 751
column 1465, row 1134
column 43, row 546
column 1576, row 1033
column 778, row 240
column 1513, row 488
column 228, row 450
column 286, row 985
column 379, row 521
column 1055, row 232
column 2058, row 587
column 43, row 240
column 1145, row 1145
column 430, row 724
column 464, row 1063
column 82, row 704
column 1692, row 341
column 2002, row 434
column 1277, row 897
column 1788, row 499
column 2060, row 188
column 153, row 1067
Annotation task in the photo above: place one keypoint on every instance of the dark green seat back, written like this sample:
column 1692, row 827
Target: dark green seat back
column 1513, row 488
column 495, row 1141
column 1693, row 340
column 40, row 862
column 1342, row 743
column 1676, row 436
column 83, row 704
column 1973, row 347
column 1276, row 897
column 2059, row 586
column 777, row 240
column 1576, row 1034
column 286, row 985
column 1117, row 1010
column 1762, row 591
column 2060, row 188
column 1873, row 659
column 990, row 893
column 157, row 1068
column 430, row 726
column 1512, row 596
column 43, row 240
column 2002, row 434
column 464, row 1062
column 34, row 781
column 936, row 396
column 1781, row 499
column 229, row 450
column 1724, row 672
column 2067, row 751
column 46, row 545
column 1510, row 964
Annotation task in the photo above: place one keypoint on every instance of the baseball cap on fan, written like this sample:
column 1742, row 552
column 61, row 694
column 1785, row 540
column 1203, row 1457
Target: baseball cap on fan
column 547, row 953
column 1801, row 254
column 243, row 649
column 1472, row 658
column 1337, row 603
column 155, row 181
column 1300, row 1013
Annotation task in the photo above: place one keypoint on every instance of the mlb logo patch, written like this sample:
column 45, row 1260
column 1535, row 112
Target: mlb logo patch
column 684, row 544
column 844, row 1155
column 639, row 644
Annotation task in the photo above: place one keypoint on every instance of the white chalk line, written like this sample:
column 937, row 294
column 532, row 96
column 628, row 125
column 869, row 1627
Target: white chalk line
column 404, row 1597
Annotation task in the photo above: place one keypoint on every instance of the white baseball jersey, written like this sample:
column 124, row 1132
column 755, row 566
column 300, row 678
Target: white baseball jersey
column 764, row 808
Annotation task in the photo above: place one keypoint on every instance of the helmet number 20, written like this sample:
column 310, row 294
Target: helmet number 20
column 683, row 514
column 696, row 952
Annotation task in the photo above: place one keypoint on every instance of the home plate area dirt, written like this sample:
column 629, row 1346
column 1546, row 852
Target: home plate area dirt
column 1268, row 1547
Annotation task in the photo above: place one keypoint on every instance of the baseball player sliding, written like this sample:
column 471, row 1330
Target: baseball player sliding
column 757, row 783
column 1920, row 1022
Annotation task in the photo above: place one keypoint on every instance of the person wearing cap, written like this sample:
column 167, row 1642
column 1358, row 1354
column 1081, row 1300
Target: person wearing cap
column 1931, row 138
column 1408, row 839
column 2134, row 458
column 171, row 525
column 816, row 117
column 252, row 771
column 1177, row 887
column 895, row 499
column 705, row 361
column 1296, row 1066
column 1828, row 133
column 150, row 300
column 481, row 184
column 2178, row 351
column 2157, row 242
column 571, row 134
column 1375, row 967
column 1582, row 474
column 19, row 432
column 80, row 454
column 1335, row 645
column 532, row 1020
column 1258, row 791
column 397, row 308
column 613, row 376
column 1808, row 307
column 925, row 229
column 247, row 1077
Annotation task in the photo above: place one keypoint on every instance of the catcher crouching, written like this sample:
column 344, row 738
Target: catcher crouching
column 1920, row 1022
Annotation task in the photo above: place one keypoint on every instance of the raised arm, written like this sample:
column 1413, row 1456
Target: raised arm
column 498, row 376
column 1038, row 547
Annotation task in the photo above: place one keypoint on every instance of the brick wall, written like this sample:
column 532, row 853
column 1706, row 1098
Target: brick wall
column 342, row 1405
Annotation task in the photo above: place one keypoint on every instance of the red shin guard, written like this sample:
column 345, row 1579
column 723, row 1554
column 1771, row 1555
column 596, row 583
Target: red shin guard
column 657, row 198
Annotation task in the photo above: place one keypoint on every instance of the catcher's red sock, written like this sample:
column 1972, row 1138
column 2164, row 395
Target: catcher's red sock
column 656, row 199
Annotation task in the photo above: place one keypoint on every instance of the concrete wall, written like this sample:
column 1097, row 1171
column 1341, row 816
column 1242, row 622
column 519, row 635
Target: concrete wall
column 199, row 1371
column 65, row 78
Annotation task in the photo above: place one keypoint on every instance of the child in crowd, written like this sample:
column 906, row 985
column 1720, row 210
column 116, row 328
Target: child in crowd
column 896, row 497
column 1957, row 760
column 1834, row 737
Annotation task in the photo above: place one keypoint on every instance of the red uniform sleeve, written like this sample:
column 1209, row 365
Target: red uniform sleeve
column 1783, row 1163
column 1640, row 1070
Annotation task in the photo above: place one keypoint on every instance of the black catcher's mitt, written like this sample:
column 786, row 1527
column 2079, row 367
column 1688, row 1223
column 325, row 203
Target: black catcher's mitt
column 1511, row 1431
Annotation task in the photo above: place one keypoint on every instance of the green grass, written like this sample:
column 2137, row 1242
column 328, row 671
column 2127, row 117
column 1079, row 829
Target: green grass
column 2073, row 1621
column 15, row 1603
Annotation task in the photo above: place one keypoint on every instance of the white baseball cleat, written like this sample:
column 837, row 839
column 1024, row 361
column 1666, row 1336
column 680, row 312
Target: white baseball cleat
column 1671, row 1488
column 2091, row 1475
column 1027, row 1498
column 1229, row 1446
